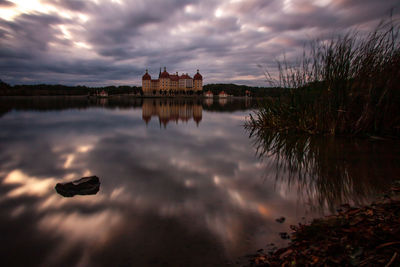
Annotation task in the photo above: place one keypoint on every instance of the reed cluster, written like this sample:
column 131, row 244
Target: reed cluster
column 347, row 85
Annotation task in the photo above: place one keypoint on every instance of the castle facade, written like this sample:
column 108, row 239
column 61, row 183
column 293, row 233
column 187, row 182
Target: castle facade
column 172, row 84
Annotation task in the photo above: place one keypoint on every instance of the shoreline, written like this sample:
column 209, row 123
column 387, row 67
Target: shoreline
column 132, row 96
column 358, row 236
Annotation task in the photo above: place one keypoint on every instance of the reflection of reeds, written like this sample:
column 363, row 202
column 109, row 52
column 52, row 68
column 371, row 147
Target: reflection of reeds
column 348, row 85
column 328, row 171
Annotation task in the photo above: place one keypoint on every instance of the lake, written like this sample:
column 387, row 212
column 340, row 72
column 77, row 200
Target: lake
column 182, row 182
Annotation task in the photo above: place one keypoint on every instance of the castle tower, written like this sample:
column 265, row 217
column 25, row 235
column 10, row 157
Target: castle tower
column 146, row 83
column 198, row 82
column 164, row 81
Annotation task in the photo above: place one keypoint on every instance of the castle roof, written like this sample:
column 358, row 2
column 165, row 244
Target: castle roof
column 146, row 76
column 184, row 76
column 198, row 76
column 174, row 77
column 164, row 74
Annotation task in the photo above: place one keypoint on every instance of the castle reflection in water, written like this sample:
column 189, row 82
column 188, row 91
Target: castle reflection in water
column 172, row 110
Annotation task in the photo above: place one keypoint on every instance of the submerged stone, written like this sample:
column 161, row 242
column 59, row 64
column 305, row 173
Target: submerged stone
column 84, row 186
column 280, row 220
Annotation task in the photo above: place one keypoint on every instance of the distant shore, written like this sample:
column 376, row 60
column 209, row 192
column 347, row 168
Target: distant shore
column 135, row 96
column 64, row 90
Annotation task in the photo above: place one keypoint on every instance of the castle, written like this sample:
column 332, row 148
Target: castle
column 172, row 84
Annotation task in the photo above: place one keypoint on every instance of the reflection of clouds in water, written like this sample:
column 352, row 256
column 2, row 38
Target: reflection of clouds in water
column 204, row 179
column 27, row 185
column 87, row 231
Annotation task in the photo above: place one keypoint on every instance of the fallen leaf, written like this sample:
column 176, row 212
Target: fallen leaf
column 286, row 253
column 387, row 244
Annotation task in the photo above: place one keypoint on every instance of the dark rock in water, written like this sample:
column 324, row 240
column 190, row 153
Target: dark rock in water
column 84, row 186
column 284, row 235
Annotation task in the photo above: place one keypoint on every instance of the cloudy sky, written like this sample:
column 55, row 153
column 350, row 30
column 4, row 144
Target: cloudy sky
column 99, row 42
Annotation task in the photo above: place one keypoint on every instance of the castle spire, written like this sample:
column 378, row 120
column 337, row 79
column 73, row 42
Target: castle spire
column 159, row 75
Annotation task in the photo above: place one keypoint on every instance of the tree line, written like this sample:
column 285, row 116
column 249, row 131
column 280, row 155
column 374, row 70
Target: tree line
column 240, row 90
column 58, row 89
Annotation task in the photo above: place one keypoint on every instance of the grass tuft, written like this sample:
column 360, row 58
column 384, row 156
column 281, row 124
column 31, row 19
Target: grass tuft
column 348, row 85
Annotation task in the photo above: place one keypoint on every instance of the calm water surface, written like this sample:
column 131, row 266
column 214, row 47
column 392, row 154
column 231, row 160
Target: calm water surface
column 182, row 184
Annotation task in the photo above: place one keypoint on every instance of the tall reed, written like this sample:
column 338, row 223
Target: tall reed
column 347, row 85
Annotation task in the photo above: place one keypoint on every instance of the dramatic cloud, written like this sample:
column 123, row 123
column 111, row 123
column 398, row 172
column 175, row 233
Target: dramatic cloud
column 112, row 42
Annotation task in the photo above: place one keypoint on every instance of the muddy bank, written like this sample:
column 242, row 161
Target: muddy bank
column 366, row 236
